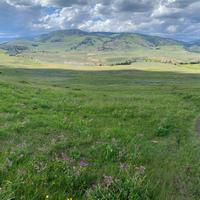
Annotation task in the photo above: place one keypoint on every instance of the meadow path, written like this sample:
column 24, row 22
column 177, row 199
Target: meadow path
column 198, row 126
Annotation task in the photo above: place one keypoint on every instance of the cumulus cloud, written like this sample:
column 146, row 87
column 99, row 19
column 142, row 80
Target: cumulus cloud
column 64, row 3
column 19, row 3
column 134, row 5
column 66, row 18
column 14, row 20
column 181, row 3
column 54, row 3
column 164, row 11
column 169, row 18
column 172, row 28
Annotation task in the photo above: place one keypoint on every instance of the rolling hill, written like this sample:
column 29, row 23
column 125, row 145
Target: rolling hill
column 77, row 40
column 74, row 45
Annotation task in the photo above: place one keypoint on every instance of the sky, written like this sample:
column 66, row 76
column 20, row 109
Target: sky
column 177, row 19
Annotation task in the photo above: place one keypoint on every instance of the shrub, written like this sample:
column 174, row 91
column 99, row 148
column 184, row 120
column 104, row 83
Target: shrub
column 164, row 128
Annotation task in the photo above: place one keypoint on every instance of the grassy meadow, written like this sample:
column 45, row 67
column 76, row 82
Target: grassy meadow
column 174, row 53
column 98, row 132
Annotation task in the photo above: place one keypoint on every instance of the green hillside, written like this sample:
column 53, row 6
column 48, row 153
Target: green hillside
column 76, row 40
column 194, row 47
column 60, row 35
column 96, row 48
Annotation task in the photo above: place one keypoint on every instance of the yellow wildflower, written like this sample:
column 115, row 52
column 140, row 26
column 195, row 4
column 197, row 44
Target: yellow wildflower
column 47, row 196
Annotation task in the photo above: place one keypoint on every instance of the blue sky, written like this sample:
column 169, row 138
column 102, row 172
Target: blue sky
column 177, row 19
column 97, row 19
column 50, row 10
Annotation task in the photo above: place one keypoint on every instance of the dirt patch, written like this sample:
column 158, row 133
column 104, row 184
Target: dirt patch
column 91, row 54
column 198, row 126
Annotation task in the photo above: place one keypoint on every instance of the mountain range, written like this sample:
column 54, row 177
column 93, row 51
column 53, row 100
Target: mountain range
column 77, row 40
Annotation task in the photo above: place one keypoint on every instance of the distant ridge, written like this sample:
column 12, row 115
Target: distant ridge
column 77, row 40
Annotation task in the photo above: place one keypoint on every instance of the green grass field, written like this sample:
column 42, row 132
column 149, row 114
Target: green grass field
column 175, row 54
column 91, row 132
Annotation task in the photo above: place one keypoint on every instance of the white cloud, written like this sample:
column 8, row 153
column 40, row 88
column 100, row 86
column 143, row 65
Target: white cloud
column 95, row 26
column 163, row 11
column 23, row 3
column 65, row 18
column 44, row 3
column 172, row 28
column 161, row 17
